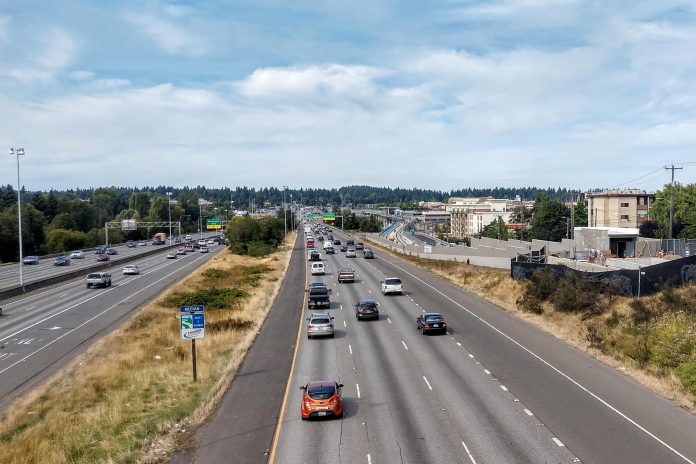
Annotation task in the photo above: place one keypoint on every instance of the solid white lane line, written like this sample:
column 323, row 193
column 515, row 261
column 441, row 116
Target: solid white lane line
column 427, row 383
column 558, row 442
column 369, row 458
column 403, row 343
column 90, row 319
column 357, row 388
column 528, row 412
column 503, row 387
column 468, row 453
column 554, row 368
column 350, row 348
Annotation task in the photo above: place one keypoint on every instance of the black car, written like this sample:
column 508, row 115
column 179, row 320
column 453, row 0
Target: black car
column 100, row 250
column 31, row 260
column 337, row 242
column 318, row 285
column 344, row 248
column 61, row 261
column 111, row 251
column 368, row 254
column 431, row 322
column 366, row 309
column 350, row 242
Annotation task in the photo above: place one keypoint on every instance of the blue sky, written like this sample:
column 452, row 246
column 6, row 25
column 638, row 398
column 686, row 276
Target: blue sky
column 451, row 94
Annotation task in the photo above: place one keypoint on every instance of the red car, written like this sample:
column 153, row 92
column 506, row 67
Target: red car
column 321, row 398
column 310, row 243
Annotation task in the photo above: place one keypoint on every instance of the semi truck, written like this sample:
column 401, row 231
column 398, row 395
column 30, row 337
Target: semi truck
column 159, row 238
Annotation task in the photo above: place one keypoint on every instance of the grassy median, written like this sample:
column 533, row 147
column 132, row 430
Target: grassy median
column 651, row 339
column 130, row 397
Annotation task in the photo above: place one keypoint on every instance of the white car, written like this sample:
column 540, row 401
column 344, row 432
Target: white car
column 211, row 242
column 392, row 285
column 203, row 249
column 350, row 253
column 77, row 254
column 188, row 237
column 131, row 269
column 318, row 268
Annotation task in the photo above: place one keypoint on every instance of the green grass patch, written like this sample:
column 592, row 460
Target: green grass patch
column 211, row 298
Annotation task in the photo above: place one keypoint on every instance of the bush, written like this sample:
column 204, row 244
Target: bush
column 686, row 373
column 541, row 284
column 214, row 273
column 255, row 237
column 211, row 298
column 530, row 304
column 575, row 295
column 229, row 323
column 60, row 240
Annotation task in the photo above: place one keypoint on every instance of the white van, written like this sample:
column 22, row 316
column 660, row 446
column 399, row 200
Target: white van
column 318, row 269
column 328, row 244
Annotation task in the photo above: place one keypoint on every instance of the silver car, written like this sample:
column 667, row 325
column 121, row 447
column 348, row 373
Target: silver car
column 350, row 253
column 320, row 324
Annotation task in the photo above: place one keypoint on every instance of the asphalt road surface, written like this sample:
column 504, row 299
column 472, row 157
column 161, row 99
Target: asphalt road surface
column 42, row 330
column 492, row 390
column 9, row 273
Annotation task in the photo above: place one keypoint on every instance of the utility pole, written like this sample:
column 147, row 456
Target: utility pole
column 671, row 199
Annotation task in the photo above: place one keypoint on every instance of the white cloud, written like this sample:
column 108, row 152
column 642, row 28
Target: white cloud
column 80, row 75
column 46, row 56
column 4, row 28
column 173, row 38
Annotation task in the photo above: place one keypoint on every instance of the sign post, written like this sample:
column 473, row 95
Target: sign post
column 192, row 325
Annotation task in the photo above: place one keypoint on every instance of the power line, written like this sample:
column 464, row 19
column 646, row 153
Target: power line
column 637, row 178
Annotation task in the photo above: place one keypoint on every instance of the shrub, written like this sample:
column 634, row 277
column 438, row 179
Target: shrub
column 671, row 340
column 575, row 295
column 541, row 284
column 229, row 323
column 633, row 342
column 530, row 304
column 214, row 273
column 211, row 298
column 686, row 373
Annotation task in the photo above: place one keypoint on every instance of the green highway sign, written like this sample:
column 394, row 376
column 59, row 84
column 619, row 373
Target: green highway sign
column 213, row 224
column 329, row 216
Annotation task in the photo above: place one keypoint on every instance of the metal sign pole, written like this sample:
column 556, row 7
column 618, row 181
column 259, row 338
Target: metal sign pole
column 193, row 358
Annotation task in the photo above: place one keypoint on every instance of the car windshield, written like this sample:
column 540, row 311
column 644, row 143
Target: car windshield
column 321, row 392
column 320, row 320
column 393, row 282
column 435, row 318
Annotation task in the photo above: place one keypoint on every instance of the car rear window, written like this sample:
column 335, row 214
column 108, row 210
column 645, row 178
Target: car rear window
column 322, row 392
column 368, row 304
column 392, row 281
column 318, row 291
column 433, row 319
column 321, row 320
column 94, row 276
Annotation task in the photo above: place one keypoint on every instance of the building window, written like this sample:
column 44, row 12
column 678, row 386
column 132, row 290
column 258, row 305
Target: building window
column 624, row 205
column 642, row 213
column 624, row 217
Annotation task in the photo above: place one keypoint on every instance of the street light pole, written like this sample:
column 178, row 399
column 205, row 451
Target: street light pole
column 19, row 152
column 200, row 218
column 169, row 206
column 285, row 218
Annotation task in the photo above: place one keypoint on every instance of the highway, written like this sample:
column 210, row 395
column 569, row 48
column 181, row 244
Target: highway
column 9, row 273
column 492, row 390
column 42, row 330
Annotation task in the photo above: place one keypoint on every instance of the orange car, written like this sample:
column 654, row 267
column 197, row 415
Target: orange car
column 321, row 399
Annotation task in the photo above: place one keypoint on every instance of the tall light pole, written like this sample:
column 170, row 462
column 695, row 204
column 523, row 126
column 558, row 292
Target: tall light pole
column 19, row 152
column 285, row 218
column 169, row 206
column 200, row 218
column 292, row 220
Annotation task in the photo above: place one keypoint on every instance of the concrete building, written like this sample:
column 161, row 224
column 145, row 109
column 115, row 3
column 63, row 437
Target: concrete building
column 470, row 215
column 618, row 208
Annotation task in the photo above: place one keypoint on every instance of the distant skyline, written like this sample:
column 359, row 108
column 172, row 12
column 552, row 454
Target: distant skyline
column 435, row 95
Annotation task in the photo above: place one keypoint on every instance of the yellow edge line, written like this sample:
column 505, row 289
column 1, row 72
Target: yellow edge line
column 279, row 424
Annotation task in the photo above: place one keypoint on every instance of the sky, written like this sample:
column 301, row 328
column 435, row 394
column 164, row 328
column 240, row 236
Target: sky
column 452, row 94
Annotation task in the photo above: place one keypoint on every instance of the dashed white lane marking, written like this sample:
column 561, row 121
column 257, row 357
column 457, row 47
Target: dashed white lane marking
column 344, row 324
column 369, row 458
column 503, row 387
column 369, row 291
column 350, row 348
column 528, row 412
column 30, row 307
column 427, row 383
column 553, row 367
column 558, row 442
column 459, row 344
column 340, row 306
column 403, row 343
column 61, row 296
column 487, row 371
column 471, row 355
column 357, row 388
column 389, row 320
column 468, row 453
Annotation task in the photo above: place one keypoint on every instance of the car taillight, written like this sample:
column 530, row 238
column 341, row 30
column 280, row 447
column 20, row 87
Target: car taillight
column 444, row 324
column 311, row 326
column 426, row 326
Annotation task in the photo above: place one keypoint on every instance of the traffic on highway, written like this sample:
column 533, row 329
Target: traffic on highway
column 400, row 366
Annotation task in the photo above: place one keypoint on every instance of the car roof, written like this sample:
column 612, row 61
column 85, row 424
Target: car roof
column 320, row 315
column 431, row 314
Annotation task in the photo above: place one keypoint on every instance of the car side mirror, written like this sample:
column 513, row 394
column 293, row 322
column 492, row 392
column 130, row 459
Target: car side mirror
column 307, row 319
column 340, row 385
column 381, row 281
column 333, row 317
column 306, row 290
column 303, row 387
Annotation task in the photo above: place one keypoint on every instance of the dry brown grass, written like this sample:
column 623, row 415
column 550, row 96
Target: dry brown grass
column 496, row 286
column 130, row 396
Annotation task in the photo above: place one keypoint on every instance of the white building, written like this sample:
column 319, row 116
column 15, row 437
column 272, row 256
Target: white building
column 470, row 215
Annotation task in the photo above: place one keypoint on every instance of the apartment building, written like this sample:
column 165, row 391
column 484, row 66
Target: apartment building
column 618, row 208
column 468, row 216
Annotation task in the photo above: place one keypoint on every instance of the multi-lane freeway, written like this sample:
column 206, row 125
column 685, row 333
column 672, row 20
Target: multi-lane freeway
column 42, row 330
column 492, row 390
